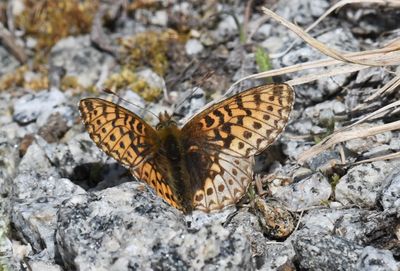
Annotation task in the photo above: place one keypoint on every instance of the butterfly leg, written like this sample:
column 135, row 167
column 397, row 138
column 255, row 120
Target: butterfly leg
column 259, row 186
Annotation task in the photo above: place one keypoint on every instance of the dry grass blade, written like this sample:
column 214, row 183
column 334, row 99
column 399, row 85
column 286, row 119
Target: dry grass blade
column 322, row 47
column 338, row 5
column 374, row 114
column 7, row 39
column 342, row 136
column 344, row 69
column 388, row 55
column 388, row 88
column 390, row 156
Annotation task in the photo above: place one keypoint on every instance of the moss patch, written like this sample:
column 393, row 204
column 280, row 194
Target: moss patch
column 49, row 21
column 129, row 79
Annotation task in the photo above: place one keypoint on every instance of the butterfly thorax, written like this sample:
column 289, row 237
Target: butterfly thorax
column 172, row 157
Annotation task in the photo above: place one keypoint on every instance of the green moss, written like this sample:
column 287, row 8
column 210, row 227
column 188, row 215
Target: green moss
column 70, row 82
column 325, row 203
column 335, row 178
column 49, row 21
column 129, row 79
column 148, row 49
column 13, row 79
column 143, row 4
column 263, row 61
column 16, row 78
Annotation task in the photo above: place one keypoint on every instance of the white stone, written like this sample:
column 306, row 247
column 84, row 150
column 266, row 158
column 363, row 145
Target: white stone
column 193, row 47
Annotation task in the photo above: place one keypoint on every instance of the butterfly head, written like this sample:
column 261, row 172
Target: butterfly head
column 165, row 121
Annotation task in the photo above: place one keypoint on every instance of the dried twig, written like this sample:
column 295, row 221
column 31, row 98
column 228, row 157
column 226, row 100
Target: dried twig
column 338, row 5
column 9, row 42
column 345, row 136
column 322, row 47
column 97, row 35
column 390, row 156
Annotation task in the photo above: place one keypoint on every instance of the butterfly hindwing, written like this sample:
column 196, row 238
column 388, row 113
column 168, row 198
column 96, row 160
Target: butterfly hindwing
column 230, row 133
column 149, row 173
column 225, row 183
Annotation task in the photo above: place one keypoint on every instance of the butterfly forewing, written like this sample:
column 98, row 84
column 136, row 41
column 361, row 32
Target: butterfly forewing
column 117, row 131
column 124, row 136
column 246, row 123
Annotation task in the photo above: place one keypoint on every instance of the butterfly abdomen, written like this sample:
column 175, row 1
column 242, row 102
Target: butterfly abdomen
column 178, row 178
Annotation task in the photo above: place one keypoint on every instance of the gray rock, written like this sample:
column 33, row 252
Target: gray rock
column 363, row 24
column 84, row 163
column 390, row 197
column 372, row 259
column 363, row 183
column 192, row 102
column 266, row 256
column 5, row 244
column 302, row 12
column 324, row 111
column 152, row 78
column 263, row 32
column 319, row 251
column 67, row 113
column 44, row 266
column 8, row 165
column 357, row 95
column 160, row 17
column 395, row 142
column 129, row 227
column 364, row 145
column 294, row 148
column 35, row 223
column 277, row 256
column 377, row 151
column 137, row 100
column 306, row 193
column 358, row 226
column 272, row 44
column 226, row 28
column 303, row 126
column 29, row 107
column 37, row 191
column 337, row 38
column 8, row 62
column 193, row 47
column 79, row 59
column 325, row 161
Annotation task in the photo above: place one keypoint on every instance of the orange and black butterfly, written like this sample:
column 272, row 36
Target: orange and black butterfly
column 207, row 163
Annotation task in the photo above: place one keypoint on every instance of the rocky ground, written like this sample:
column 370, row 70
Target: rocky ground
column 66, row 206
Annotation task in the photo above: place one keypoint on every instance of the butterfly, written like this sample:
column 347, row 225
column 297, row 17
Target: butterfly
column 207, row 163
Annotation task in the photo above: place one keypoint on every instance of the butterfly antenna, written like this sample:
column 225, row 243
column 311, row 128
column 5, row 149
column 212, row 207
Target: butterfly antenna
column 109, row 91
column 200, row 83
